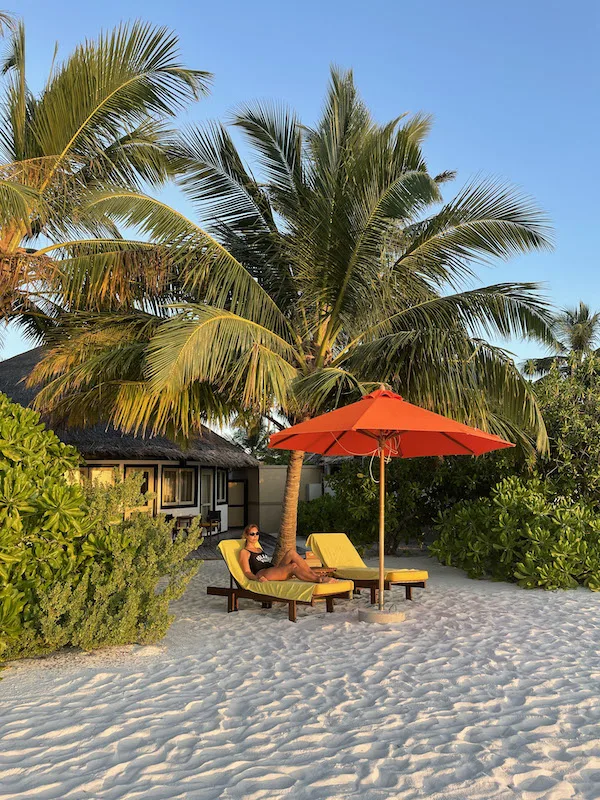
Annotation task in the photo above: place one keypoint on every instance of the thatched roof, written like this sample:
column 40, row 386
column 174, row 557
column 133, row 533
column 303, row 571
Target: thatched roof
column 102, row 442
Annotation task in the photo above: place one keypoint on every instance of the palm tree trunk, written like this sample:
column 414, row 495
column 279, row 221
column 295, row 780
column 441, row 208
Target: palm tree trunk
column 289, row 512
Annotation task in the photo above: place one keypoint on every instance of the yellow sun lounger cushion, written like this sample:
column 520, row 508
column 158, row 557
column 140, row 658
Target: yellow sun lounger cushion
column 337, row 551
column 286, row 590
column 391, row 575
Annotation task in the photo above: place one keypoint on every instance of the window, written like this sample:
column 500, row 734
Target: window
column 102, row 475
column 206, row 492
column 145, row 472
column 178, row 486
column 221, row 486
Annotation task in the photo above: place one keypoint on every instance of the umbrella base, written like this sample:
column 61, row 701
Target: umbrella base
column 375, row 615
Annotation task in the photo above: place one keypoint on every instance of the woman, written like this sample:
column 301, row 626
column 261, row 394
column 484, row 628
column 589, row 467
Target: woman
column 257, row 565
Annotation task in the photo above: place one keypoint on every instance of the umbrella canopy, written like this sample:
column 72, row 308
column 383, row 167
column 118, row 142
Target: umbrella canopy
column 384, row 424
column 384, row 419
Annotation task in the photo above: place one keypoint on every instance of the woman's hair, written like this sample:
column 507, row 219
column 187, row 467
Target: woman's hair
column 248, row 528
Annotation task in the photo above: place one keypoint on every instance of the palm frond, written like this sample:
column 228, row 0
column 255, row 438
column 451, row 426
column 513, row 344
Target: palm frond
column 274, row 132
column 533, row 367
column 399, row 201
column 18, row 101
column 577, row 328
column 176, row 414
column 104, row 274
column 209, row 344
column 208, row 269
column 328, row 388
column 217, row 183
column 464, row 378
column 111, row 85
column 500, row 310
column 8, row 22
column 487, row 220
column 138, row 157
column 98, row 376
column 446, row 176
column 17, row 202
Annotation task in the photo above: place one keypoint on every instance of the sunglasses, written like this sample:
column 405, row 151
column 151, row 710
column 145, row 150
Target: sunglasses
column 255, row 533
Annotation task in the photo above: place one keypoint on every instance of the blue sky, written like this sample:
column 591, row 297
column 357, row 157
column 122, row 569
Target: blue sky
column 513, row 88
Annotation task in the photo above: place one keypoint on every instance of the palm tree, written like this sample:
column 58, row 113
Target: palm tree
column 98, row 123
column 325, row 274
column 577, row 332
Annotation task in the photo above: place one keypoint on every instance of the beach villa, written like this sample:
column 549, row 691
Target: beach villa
column 212, row 477
column 209, row 478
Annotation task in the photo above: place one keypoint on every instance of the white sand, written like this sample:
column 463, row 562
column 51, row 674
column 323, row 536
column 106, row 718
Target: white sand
column 486, row 691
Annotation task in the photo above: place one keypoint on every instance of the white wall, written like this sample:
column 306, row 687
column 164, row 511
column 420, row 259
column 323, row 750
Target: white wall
column 313, row 491
column 270, row 489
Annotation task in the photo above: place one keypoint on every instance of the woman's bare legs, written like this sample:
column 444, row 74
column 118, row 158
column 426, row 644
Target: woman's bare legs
column 292, row 565
column 302, row 570
column 280, row 573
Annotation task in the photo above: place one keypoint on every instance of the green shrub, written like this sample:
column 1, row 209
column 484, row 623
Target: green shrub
column 73, row 571
column 571, row 408
column 323, row 514
column 523, row 533
column 121, row 594
column 43, row 518
column 416, row 491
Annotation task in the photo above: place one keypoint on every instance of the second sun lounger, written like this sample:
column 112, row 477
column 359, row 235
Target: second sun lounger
column 337, row 551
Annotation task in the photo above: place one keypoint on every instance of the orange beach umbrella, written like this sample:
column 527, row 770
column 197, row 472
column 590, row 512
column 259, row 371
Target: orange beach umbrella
column 384, row 424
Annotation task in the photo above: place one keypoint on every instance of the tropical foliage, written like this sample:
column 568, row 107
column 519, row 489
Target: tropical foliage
column 417, row 490
column 72, row 569
column 8, row 22
column 577, row 334
column 99, row 124
column 540, row 525
column 570, row 404
column 42, row 517
column 334, row 268
column 525, row 533
column 252, row 433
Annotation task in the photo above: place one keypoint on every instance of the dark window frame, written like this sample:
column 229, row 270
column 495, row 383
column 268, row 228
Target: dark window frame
column 224, row 500
column 194, row 502
column 213, row 494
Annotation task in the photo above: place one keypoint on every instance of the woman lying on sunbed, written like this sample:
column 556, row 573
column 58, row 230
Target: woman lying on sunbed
column 257, row 565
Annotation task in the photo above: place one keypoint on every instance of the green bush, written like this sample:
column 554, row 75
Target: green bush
column 571, row 408
column 416, row 491
column 323, row 514
column 72, row 570
column 523, row 533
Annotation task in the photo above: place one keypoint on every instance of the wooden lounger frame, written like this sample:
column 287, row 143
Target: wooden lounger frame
column 234, row 592
column 373, row 585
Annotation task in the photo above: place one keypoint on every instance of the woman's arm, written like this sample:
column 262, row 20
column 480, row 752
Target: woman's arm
column 245, row 565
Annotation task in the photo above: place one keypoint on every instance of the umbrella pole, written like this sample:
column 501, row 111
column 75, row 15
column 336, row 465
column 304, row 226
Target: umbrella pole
column 381, row 524
column 380, row 615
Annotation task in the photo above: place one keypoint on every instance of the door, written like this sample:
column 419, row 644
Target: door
column 206, row 493
column 237, row 508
